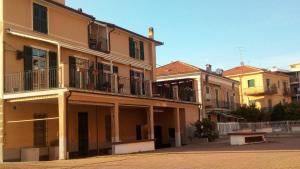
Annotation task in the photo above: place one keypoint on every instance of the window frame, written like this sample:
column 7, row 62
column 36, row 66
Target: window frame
column 32, row 18
column 248, row 83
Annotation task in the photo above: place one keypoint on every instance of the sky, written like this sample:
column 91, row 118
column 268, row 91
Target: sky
column 262, row 33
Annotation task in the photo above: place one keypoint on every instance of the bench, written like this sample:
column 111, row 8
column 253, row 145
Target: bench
column 242, row 138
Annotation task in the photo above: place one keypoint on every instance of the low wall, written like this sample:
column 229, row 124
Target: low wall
column 133, row 147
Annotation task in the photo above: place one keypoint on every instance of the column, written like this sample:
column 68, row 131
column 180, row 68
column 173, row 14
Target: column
column 1, row 131
column 115, row 126
column 62, row 126
column 177, row 127
column 150, row 123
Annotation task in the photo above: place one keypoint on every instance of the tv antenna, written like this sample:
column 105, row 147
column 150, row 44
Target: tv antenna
column 241, row 53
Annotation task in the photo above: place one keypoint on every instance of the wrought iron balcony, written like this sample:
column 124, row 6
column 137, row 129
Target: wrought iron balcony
column 260, row 90
column 35, row 80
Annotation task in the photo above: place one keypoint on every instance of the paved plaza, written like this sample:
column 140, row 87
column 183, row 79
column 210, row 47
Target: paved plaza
column 277, row 153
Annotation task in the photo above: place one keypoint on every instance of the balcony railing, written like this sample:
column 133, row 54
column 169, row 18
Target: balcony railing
column 260, row 90
column 109, row 83
column 295, row 80
column 185, row 94
column 286, row 92
column 99, row 44
column 35, row 80
column 213, row 103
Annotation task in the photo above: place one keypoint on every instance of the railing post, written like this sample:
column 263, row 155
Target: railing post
column 116, row 84
column 150, row 89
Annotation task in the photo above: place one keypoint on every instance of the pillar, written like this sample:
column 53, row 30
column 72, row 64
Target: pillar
column 177, row 127
column 62, row 112
column 1, row 131
column 115, row 126
column 150, row 123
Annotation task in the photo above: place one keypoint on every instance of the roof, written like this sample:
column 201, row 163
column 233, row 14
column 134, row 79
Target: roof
column 176, row 67
column 70, row 9
column 126, row 30
column 243, row 69
column 93, row 18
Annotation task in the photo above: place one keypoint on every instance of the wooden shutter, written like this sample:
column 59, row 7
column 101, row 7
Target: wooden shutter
column 72, row 71
column 28, row 68
column 143, row 84
column 40, row 18
column 131, row 48
column 100, row 82
column 142, row 56
column 53, row 81
column 132, row 83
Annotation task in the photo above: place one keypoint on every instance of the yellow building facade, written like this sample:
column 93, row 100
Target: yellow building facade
column 261, row 87
column 73, row 86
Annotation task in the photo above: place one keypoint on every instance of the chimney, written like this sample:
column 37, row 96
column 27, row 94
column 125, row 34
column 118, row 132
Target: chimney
column 60, row 1
column 151, row 33
column 208, row 67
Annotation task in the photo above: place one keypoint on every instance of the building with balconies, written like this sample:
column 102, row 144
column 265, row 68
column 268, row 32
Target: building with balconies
column 216, row 94
column 261, row 87
column 294, row 72
column 73, row 86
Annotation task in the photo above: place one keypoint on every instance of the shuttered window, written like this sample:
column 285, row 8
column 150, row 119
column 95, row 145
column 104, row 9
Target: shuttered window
column 131, row 48
column 142, row 57
column 40, row 18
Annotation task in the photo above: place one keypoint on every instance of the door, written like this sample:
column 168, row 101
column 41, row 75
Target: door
column 83, row 134
column 138, row 132
column 158, row 136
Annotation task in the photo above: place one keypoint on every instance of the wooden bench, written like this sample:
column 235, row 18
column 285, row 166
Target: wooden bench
column 242, row 138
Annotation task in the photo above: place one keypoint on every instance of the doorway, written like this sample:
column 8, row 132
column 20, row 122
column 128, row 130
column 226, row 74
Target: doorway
column 83, row 134
column 158, row 136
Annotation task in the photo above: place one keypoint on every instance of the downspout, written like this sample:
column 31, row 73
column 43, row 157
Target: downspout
column 67, row 122
column 109, row 41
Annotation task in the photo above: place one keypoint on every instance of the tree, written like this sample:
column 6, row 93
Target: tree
column 206, row 129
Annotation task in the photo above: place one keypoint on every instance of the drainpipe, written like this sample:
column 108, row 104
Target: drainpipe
column 109, row 41
column 40, row 39
column 67, row 122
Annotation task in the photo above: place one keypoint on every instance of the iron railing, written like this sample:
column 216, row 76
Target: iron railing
column 268, row 127
column 260, row 90
column 110, row 83
column 213, row 103
column 34, row 80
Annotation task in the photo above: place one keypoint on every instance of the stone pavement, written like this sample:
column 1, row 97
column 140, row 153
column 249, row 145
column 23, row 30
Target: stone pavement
column 277, row 153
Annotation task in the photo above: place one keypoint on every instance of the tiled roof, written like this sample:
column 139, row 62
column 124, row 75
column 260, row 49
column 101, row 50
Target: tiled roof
column 242, row 70
column 176, row 67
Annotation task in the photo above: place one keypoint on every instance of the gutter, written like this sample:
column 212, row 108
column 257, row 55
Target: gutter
column 40, row 39
column 67, row 122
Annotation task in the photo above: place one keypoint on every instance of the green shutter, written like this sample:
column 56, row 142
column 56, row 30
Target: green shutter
column 53, row 81
column 132, row 83
column 72, row 71
column 28, row 68
column 131, row 48
column 142, row 56
column 40, row 18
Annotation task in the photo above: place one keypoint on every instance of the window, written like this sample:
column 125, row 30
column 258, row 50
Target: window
column 207, row 90
column 251, row 83
column 232, row 86
column 278, row 84
column 40, row 18
column 268, row 83
column 270, row 104
column 136, row 49
column 39, row 59
column 40, row 130
column 206, row 78
column 137, row 86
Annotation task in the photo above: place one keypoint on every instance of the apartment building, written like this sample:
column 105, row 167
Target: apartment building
column 216, row 94
column 73, row 86
column 261, row 87
column 294, row 72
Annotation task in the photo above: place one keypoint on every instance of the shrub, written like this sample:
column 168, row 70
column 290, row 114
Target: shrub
column 206, row 129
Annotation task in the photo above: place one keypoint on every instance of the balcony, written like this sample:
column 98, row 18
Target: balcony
column 213, row 103
column 286, row 92
column 98, row 37
column 48, row 79
column 110, row 83
column 36, row 80
column 261, row 90
column 181, row 90
column 295, row 80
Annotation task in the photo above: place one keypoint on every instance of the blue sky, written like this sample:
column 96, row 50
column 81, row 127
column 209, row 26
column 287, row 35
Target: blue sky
column 210, row 31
